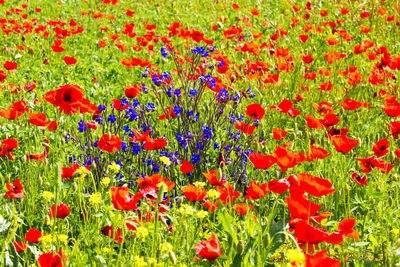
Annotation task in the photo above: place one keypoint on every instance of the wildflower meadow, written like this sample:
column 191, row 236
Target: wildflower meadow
column 199, row 133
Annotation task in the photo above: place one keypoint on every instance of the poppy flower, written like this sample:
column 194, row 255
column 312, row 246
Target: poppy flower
column 10, row 114
column 7, row 146
column 140, row 137
column 15, row 190
column 279, row 186
column 69, row 98
column 320, row 259
column 38, row 119
column 256, row 191
column 255, row 111
column 244, row 127
column 8, row 65
column 208, row 249
column 194, row 193
column 242, row 208
column 169, row 113
column 228, row 194
column 286, row 106
column 52, row 259
column 394, row 128
column 132, row 91
column 329, row 120
column 33, row 235
column 313, row 122
column 300, row 207
column 212, row 178
column 278, row 134
column 261, row 161
column 149, row 192
column 122, row 200
column 62, row 211
column 307, row 58
column 398, row 153
column 310, row 234
column 211, row 205
column 381, row 148
column 70, row 60
column 155, row 144
column 287, row 159
column 342, row 143
column 315, row 186
column 316, row 153
column 381, row 165
column 155, row 180
column 109, row 231
column 346, row 227
column 20, row 246
column 110, row 143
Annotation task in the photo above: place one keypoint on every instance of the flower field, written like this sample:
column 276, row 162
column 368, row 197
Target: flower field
column 199, row 133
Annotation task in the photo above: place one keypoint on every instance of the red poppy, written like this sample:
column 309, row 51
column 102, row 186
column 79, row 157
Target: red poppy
column 10, row 114
column 212, row 206
column 261, row 161
column 398, row 153
column 62, row 211
column 394, row 128
column 169, row 113
column 313, row 185
column 3, row 76
column 122, row 200
column 309, row 234
column 149, row 192
column 52, row 259
column 155, row 144
column 132, row 91
column 366, row 164
column 117, row 105
column 110, row 143
column 300, row 207
column 20, row 246
column 381, row 148
column 278, row 134
column 8, row 65
column 255, row 111
column 33, row 235
column 287, row 159
column 70, row 60
column 343, row 143
column 256, row 191
column 140, row 137
column 320, row 259
column 244, row 127
column 317, row 153
column 242, row 208
column 15, row 190
column 313, row 122
column 208, row 249
column 7, row 146
column 109, row 231
column 193, row 193
column 38, row 119
column 69, row 98
column 155, row 180
column 329, row 120
column 346, row 227
column 279, row 186
column 307, row 58
column 212, row 178
column 286, row 106
column 381, row 165
column 228, row 194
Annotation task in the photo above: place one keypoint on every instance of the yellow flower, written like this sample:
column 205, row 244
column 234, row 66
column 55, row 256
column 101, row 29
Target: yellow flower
column 106, row 250
column 186, row 209
column 166, row 247
column 142, row 232
column 47, row 195
column 199, row 184
column 165, row 160
column 294, row 255
column 395, row 231
column 106, row 181
column 114, row 168
column 95, row 199
column 46, row 238
column 82, row 171
column 139, row 262
column 201, row 214
column 213, row 194
column 62, row 238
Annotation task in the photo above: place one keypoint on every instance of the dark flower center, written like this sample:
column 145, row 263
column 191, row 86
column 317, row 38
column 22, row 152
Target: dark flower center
column 67, row 98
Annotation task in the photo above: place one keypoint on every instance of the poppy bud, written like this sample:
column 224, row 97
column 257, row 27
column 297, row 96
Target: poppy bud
column 172, row 257
column 240, row 247
column 40, row 180
column 74, row 187
column 266, row 240
column 221, row 160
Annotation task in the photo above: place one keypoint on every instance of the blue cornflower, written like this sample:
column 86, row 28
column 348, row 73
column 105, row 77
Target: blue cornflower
column 135, row 149
column 216, row 146
column 195, row 158
column 150, row 107
column 135, row 103
column 193, row 92
column 177, row 110
column 112, row 118
column 124, row 102
column 101, row 107
column 82, row 126
column 123, row 146
column 126, row 129
column 164, row 51
column 177, row 93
